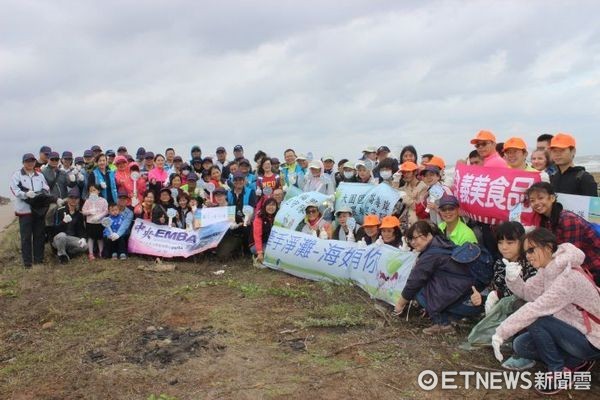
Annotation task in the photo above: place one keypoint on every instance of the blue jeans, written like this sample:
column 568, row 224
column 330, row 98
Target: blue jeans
column 462, row 308
column 555, row 343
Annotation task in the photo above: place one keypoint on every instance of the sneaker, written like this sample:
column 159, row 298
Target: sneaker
column 584, row 366
column 439, row 330
column 550, row 384
column 91, row 257
column 123, row 256
column 63, row 259
column 515, row 363
column 115, row 256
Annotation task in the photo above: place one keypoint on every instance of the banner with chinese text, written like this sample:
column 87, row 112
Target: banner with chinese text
column 291, row 212
column 365, row 199
column 380, row 270
column 164, row 241
column 489, row 195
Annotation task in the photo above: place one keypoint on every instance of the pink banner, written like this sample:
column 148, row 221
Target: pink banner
column 489, row 195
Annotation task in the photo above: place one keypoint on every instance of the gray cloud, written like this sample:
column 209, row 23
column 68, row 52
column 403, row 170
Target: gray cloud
column 329, row 78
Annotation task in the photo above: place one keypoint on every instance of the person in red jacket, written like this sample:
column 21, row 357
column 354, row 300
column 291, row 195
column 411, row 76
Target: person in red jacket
column 261, row 228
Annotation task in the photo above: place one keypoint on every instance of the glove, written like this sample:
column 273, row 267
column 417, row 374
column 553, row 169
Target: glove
column 30, row 194
column 350, row 237
column 114, row 236
column 60, row 202
column 496, row 343
column 67, row 218
column 361, row 243
column 82, row 242
column 233, row 226
column 379, row 241
column 72, row 177
column 80, row 177
column 323, row 235
column 258, row 191
column 404, row 246
column 491, row 301
column 396, row 177
column 103, row 185
column 194, row 208
column 513, row 269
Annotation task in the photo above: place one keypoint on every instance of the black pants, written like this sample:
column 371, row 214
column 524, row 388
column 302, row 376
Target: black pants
column 31, row 228
column 118, row 246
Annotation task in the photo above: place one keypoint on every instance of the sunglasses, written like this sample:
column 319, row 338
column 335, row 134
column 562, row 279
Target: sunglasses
column 530, row 250
column 482, row 144
column 312, row 211
column 54, row 159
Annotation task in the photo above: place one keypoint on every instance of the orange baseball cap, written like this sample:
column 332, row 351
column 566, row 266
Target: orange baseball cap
column 437, row 162
column 371, row 220
column 515, row 143
column 562, row 141
column 390, row 221
column 484, row 136
column 408, row 166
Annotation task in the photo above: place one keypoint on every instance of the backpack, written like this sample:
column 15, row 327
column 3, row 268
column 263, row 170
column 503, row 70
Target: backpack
column 478, row 260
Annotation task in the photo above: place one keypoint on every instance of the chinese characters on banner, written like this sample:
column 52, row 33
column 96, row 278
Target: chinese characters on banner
column 489, row 195
column 164, row 241
column 291, row 212
column 380, row 270
column 211, row 215
column 365, row 199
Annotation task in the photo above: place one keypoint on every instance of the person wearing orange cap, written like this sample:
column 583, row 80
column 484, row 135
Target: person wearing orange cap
column 369, row 231
column 415, row 191
column 515, row 154
column 485, row 144
column 569, row 178
column 390, row 231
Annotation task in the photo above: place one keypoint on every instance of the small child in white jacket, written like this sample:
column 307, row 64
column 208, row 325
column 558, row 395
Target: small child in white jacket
column 94, row 209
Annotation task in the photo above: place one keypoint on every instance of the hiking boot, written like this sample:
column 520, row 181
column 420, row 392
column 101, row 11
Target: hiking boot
column 518, row 364
column 123, row 256
column 63, row 259
column 115, row 256
column 439, row 330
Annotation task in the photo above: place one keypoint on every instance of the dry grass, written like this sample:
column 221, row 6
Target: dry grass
column 72, row 332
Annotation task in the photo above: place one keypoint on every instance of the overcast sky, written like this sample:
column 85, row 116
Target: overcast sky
column 327, row 77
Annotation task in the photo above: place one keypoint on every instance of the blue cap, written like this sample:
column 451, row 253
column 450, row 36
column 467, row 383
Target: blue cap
column 74, row 192
column 149, row 155
column 192, row 176
column 79, row 160
column 88, row 153
column 96, row 148
column 45, row 149
column 448, row 200
column 238, row 148
column 53, row 154
column 67, row 154
column 110, row 153
column 140, row 152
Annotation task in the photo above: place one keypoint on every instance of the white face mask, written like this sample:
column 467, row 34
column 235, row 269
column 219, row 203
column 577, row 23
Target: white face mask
column 93, row 196
column 348, row 174
column 385, row 174
column 185, row 172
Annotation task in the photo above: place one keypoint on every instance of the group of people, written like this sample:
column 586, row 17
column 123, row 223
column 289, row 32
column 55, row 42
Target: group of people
column 542, row 283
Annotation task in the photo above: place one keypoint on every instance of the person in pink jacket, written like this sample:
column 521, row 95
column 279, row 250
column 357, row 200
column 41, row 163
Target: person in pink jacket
column 559, row 318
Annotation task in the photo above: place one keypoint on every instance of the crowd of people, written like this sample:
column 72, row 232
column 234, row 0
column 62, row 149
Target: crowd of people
column 541, row 292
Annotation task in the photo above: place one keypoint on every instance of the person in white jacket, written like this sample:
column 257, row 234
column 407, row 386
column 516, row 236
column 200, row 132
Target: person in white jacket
column 26, row 184
column 317, row 181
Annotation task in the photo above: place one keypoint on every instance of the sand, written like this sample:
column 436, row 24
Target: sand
column 7, row 215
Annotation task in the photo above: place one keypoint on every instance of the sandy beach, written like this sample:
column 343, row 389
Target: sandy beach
column 7, row 215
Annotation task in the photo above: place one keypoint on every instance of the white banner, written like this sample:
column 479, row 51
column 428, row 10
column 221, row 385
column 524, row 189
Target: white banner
column 380, row 270
column 164, row 241
column 365, row 199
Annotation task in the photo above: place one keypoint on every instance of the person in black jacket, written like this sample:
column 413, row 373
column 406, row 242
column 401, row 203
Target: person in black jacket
column 568, row 178
column 70, row 238
column 442, row 286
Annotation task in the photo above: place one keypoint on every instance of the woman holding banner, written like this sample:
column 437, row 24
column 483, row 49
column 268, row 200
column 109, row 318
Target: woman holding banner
column 314, row 223
column 261, row 227
column 344, row 230
column 566, row 225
